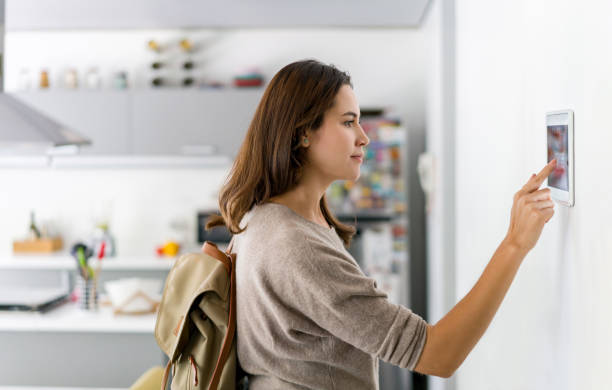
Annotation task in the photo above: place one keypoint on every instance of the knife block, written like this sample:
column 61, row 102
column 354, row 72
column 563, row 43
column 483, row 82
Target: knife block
column 41, row 245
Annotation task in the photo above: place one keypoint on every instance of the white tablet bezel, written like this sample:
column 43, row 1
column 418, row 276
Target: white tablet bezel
column 563, row 197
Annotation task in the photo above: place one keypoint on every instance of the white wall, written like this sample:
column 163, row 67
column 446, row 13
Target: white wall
column 140, row 203
column 515, row 61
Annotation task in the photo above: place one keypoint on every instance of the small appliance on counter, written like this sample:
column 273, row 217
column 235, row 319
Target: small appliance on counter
column 31, row 299
column 218, row 234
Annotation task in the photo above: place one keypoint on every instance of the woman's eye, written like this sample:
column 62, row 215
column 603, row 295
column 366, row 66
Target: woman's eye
column 348, row 123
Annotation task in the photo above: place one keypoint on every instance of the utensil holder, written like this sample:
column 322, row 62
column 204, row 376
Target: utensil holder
column 88, row 294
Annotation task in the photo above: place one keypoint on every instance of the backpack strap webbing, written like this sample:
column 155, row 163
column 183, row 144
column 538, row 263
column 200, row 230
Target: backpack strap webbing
column 165, row 377
column 229, row 336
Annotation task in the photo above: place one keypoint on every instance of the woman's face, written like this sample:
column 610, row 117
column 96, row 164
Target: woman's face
column 340, row 137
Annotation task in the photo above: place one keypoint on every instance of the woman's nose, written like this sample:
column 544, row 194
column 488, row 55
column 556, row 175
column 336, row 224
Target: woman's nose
column 364, row 138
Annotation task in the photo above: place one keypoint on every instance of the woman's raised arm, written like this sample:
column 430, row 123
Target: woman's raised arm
column 452, row 338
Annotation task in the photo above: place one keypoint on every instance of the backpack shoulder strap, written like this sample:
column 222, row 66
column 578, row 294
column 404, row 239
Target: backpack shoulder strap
column 230, row 246
column 229, row 336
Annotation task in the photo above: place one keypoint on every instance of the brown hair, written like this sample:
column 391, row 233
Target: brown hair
column 271, row 159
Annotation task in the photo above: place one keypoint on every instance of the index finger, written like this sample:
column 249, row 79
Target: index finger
column 536, row 181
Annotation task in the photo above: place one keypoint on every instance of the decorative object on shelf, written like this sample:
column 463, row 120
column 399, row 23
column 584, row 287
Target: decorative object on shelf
column 120, row 80
column 44, row 79
column 39, row 245
column 134, row 295
column 25, row 79
column 157, row 65
column 170, row 248
column 158, row 82
column 187, row 82
column 37, row 241
column 71, row 79
column 34, row 233
column 186, row 45
column 154, row 45
column 252, row 78
column 92, row 79
column 188, row 65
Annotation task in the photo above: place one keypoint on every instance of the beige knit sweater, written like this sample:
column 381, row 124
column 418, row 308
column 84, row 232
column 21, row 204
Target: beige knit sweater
column 307, row 316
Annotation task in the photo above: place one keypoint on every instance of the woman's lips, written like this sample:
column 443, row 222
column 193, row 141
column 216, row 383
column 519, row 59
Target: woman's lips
column 359, row 158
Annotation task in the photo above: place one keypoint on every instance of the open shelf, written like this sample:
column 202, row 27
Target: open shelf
column 64, row 261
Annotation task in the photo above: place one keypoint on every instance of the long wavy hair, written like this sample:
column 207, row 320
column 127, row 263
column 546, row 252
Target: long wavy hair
column 271, row 160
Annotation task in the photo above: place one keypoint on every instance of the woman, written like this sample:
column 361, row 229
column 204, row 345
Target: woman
column 307, row 316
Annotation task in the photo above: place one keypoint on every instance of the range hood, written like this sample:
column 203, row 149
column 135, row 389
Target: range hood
column 24, row 129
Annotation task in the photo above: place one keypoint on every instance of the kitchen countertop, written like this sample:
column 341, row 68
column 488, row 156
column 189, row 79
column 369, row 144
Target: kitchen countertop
column 68, row 317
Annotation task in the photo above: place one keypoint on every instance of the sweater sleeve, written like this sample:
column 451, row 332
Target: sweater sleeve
column 332, row 291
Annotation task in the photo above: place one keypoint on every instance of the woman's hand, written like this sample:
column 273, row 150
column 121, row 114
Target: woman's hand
column 532, row 208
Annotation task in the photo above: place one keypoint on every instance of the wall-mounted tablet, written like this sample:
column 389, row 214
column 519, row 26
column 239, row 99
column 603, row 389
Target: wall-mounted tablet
column 560, row 135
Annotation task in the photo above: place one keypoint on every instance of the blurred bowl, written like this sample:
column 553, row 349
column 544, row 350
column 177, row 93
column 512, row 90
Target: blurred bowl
column 134, row 295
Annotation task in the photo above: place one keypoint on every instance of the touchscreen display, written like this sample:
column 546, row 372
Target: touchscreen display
column 557, row 148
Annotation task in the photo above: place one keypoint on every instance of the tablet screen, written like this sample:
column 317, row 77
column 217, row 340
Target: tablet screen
column 557, row 148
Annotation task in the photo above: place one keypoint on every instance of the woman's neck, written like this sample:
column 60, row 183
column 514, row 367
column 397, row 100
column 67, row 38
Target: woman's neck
column 305, row 200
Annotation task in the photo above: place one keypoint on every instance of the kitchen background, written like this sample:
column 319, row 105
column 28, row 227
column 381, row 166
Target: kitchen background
column 153, row 198
column 161, row 148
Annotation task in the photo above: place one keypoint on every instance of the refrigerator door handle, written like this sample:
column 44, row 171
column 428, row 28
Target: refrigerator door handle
column 427, row 172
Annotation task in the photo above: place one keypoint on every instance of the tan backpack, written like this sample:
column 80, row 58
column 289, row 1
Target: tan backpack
column 196, row 321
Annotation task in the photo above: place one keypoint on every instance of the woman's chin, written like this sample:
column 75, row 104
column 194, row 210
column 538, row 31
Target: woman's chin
column 352, row 176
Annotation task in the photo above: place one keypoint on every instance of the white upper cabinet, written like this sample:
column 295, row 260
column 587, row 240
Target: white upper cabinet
column 192, row 122
column 153, row 123
column 155, row 14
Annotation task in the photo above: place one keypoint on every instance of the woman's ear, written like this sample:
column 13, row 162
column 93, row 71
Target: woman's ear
column 307, row 138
